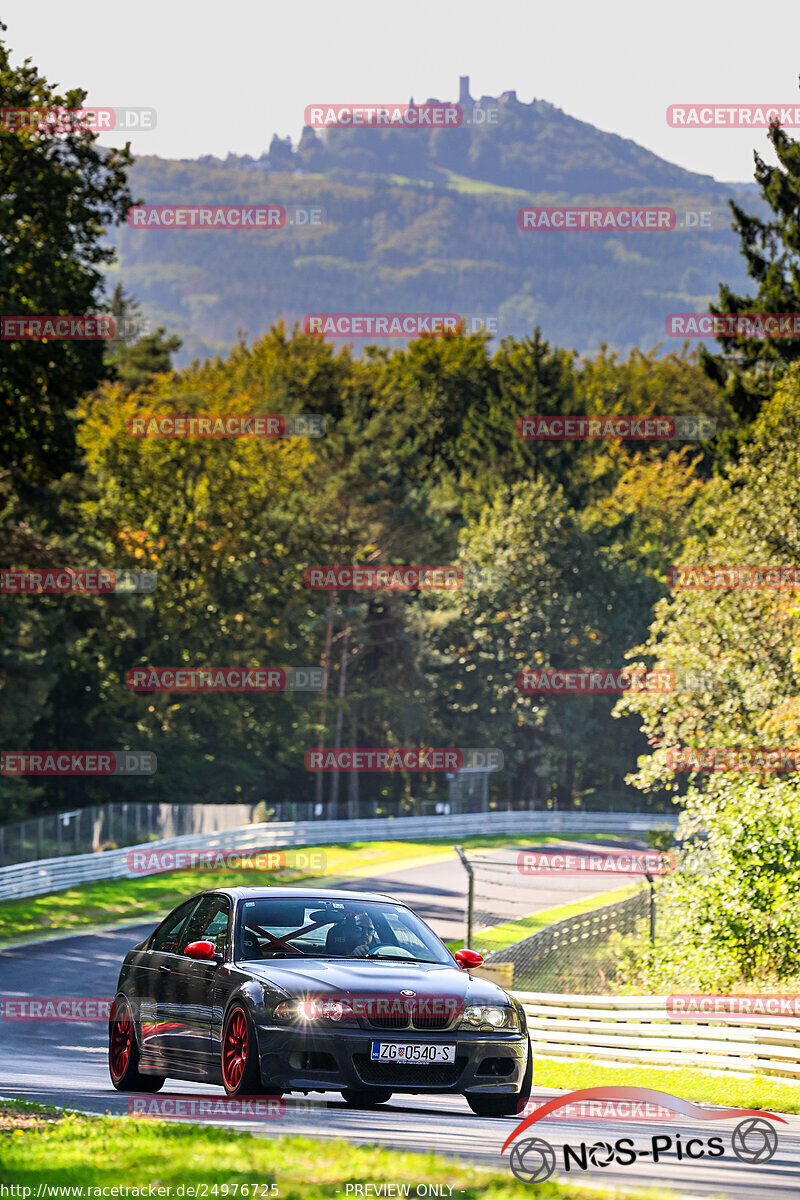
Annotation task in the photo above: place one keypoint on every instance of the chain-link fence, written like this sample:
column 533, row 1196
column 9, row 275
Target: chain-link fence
column 510, row 890
column 574, row 955
column 109, row 825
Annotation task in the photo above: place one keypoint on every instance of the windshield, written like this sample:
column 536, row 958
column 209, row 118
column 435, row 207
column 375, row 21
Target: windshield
column 316, row 928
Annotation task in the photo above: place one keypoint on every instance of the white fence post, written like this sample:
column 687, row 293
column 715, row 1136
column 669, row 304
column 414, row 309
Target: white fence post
column 55, row 874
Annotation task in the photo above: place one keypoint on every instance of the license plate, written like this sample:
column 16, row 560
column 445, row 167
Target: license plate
column 412, row 1052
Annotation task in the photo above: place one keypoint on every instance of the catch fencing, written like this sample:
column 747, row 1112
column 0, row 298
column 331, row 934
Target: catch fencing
column 574, row 953
column 87, row 830
column 56, row 874
column 639, row 1029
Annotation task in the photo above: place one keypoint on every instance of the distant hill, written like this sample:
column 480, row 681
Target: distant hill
column 427, row 221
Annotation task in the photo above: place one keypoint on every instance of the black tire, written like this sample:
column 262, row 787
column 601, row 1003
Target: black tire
column 123, row 1052
column 366, row 1097
column 241, row 1075
column 510, row 1105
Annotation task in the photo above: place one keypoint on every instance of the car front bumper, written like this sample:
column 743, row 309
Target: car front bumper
column 316, row 1059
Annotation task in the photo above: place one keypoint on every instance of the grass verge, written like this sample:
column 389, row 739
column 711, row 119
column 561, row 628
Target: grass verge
column 125, row 899
column 41, row 1146
column 710, row 1087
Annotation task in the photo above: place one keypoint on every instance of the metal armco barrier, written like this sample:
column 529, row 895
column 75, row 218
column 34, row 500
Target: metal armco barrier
column 637, row 1029
column 84, row 830
column 55, row 874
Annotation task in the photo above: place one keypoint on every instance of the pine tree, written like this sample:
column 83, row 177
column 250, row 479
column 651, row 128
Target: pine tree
column 749, row 367
column 135, row 355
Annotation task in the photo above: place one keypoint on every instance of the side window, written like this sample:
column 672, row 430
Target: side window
column 166, row 937
column 208, row 922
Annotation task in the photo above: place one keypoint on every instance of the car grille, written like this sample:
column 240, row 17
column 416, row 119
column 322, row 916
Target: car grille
column 402, row 1021
column 431, row 1022
column 398, row 1075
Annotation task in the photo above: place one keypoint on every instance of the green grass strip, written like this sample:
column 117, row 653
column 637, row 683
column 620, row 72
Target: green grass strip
column 40, row 1146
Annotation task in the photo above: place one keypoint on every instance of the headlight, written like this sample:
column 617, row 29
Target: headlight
column 490, row 1015
column 302, row 1012
column 293, row 1010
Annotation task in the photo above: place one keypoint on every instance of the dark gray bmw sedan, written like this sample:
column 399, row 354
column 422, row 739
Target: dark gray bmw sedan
column 273, row 990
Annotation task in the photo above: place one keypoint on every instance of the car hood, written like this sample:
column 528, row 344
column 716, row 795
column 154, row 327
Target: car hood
column 360, row 978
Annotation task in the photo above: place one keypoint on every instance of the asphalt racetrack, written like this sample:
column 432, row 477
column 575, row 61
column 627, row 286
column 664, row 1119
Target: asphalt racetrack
column 64, row 1063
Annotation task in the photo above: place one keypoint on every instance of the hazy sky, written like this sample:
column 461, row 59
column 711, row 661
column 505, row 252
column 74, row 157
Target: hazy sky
column 226, row 76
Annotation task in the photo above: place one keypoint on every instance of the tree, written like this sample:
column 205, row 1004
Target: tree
column 536, row 597
column 60, row 192
column 735, row 657
column 749, row 367
column 133, row 356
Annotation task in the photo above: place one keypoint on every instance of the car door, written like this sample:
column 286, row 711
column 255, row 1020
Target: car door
column 187, row 1000
column 155, row 967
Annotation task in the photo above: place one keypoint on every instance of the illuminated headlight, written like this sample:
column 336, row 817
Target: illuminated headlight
column 496, row 1018
column 293, row 1010
column 301, row 1011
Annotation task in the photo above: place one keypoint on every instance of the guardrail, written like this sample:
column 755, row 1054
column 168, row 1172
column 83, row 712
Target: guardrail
column 638, row 1029
column 85, row 830
column 56, row 874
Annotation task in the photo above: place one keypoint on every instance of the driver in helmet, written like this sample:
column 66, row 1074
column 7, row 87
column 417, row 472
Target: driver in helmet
column 368, row 938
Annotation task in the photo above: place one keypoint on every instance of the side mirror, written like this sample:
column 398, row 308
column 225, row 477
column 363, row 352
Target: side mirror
column 468, row 958
column 206, row 951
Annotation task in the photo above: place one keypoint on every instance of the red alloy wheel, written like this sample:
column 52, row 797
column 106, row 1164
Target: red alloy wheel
column 121, row 1034
column 234, row 1049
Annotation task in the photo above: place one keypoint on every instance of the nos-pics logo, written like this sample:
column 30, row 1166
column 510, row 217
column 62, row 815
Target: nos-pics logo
column 533, row 1160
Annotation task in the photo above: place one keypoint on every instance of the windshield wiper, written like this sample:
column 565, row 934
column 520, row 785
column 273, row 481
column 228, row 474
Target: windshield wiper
column 402, row 958
column 277, row 954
